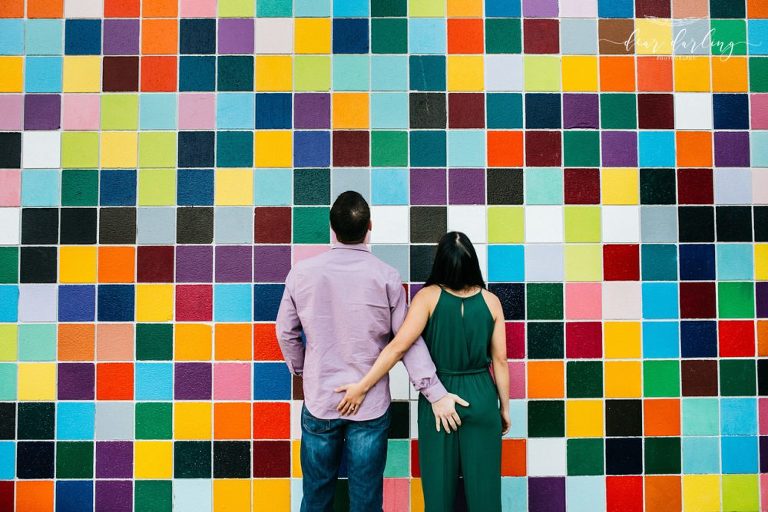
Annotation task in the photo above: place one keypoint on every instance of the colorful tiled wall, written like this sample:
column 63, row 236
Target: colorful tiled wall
column 163, row 162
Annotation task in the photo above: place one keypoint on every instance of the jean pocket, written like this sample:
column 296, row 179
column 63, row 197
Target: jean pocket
column 314, row 425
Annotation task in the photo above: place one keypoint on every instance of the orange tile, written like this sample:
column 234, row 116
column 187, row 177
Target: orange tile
column 762, row 338
column 76, row 342
column 114, row 342
column 694, row 149
column 34, row 496
column 654, row 74
column 233, row 342
column 617, row 74
column 546, row 379
column 513, row 457
column 663, row 494
column 158, row 74
column 159, row 36
column 117, row 264
column 114, row 381
column 232, row 420
column 661, row 417
column 122, row 8
column 465, row 35
column 271, row 420
column 729, row 75
column 12, row 9
column 159, row 8
column 265, row 346
column 757, row 9
column 504, row 149
column 45, row 8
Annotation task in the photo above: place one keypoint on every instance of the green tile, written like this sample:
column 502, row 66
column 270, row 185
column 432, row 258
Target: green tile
column 701, row 417
column 506, row 224
column 154, row 342
column 758, row 74
column 661, row 378
column 503, row 35
column 546, row 418
column 585, row 457
column 153, row 496
column 9, row 265
column 389, row 149
column 738, row 377
column 731, row 35
column 311, row 186
column 584, row 379
column 583, row 224
column 119, row 112
column 81, row 149
column 74, row 460
column 154, row 421
column 662, row 455
column 389, row 35
column 581, row 148
column 274, row 8
column 741, row 492
column 380, row 8
column 736, row 300
column 311, row 225
column 79, row 187
column 544, row 301
column 398, row 459
column 618, row 111
column 545, row 340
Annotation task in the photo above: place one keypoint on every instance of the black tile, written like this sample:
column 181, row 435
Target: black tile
column 36, row 420
column 194, row 225
column 7, row 420
column 78, row 225
column 38, row 265
column 427, row 110
column 117, row 225
column 34, row 459
column 428, row 223
column 10, row 150
column 623, row 418
column 657, row 186
column 422, row 257
column 231, row 459
column 505, row 186
column 762, row 377
column 546, row 418
column 39, row 226
column 196, row 149
column 624, row 456
column 734, row 223
column 399, row 425
column 696, row 223
column 512, row 297
column 542, row 111
column 192, row 459
column 545, row 340
column 761, row 223
column 197, row 36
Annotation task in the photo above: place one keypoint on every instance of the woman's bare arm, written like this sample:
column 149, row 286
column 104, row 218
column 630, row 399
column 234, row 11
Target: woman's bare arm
column 499, row 358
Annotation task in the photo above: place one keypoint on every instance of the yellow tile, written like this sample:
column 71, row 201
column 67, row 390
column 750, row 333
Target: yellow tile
column 231, row 495
column 620, row 186
column 579, row 73
column 234, row 187
column 154, row 302
column 82, row 73
column 622, row 340
column 11, row 74
column 541, row 73
column 584, row 418
column 273, row 494
column 465, row 73
column 274, row 73
column 192, row 342
column 583, row 262
column 701, row 493
column 8, row 342
column 465, row 8
column 77, row 264
column 691, row 74
column 119, row 150
column 622, row 379
column 761, row 262
column 192, row 420
column 273, row 148
column 417, row 496
column 37, row 381
column 653, row 36
column 729, row 75
column 351, row 110
column 153, row 459
column 312, row 35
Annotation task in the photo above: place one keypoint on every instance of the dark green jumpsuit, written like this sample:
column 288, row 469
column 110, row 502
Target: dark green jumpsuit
column 460, row 347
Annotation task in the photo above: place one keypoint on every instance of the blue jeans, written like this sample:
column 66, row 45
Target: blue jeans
column 323, row 443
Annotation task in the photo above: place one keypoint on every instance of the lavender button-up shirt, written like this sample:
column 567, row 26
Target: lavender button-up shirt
column 348, row 303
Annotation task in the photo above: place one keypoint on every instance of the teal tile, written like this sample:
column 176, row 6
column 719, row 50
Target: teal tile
column 701, row 417
column 272, row 187
column 543, row 186
column 37, row 342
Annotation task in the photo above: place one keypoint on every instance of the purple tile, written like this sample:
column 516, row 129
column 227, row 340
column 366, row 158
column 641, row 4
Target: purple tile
column 761, row 296
column 114, row 495
column 546, row 494
column 42, row 112
column 236, row 35
column 466, row 186
column 194, row 264
column 192, row 381
column 121, row 37
column 540, row 8
column 311, row 110
column 233, row 264
column 763, row 454
column 76, row 381
column 619, row 149
column 731, row 149
column 428, row 186
column 271, row 263
column 11, row 105
column 580, row 111
column 114, row 459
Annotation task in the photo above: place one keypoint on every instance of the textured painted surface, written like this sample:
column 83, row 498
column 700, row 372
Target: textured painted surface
column 164, row 162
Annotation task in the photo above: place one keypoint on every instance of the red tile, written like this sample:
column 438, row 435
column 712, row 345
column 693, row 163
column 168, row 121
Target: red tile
column 694, row 186
column 736, row 338
column 582, row 186
column 543, row 149
column 271, row 459
column 155, row 263
column 583, row 340
column 351, row 148
column 541, row 35
column 515, row 340
column 698, row 300
column 114, row 381
column 621, row 262
column 272, row 225
column 624, row 493
column 194, row 302
column 466, row 110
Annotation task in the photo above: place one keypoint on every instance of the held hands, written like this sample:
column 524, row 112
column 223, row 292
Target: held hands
column 350, row 404
column 506, row 423
column 445, row 412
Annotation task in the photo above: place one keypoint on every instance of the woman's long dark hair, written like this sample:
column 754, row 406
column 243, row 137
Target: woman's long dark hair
column 456, row 264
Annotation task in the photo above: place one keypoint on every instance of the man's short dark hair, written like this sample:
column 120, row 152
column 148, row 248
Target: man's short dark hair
column 350, row 216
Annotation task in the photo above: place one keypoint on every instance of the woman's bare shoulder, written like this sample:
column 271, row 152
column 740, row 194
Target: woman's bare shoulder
column 494, row 304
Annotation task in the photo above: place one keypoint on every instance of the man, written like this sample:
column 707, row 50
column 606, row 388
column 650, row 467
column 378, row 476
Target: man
column 348, row 303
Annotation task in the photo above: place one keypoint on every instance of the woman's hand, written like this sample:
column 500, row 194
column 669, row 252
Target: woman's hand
column 355, row 395
column 506, row 423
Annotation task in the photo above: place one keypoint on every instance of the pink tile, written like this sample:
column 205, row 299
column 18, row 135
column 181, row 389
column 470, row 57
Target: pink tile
column 516, row 380
column 583, row 301
column 763, row 412
column 759, row 111
column 197, row 8
column 302, row 252
column 197, row 111
column 231, row 381
column 11, row 105
column 80, row 112
column 10, row 187
column 396, row 494
column 764, row 491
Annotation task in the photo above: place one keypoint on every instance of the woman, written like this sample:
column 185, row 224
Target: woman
column 463, row 326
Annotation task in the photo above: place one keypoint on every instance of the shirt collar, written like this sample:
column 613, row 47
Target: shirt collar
column 354, row 247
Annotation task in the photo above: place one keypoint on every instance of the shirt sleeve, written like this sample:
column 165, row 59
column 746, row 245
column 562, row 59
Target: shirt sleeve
column 288, row 329
column 417, row 361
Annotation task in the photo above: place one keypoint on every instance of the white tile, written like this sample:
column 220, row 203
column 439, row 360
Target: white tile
column 38, row 303
column 693, row 111
column 733, row 186
column 578, row 8
column 546, row 456
column 296, row 406
column 41, row 150
column 621, row 224
column 544, row 262
column 399, row 383
column 389, row 225
column 760, row 186
column 544, row 224
column 273, row 35
column 83, row 8
column 9, row 226
column 622, row 300
column 503, row 73
column 192, row 495
column 470, row 220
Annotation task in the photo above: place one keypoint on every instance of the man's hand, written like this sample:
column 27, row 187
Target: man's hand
column 355, row 395
column 445, row 412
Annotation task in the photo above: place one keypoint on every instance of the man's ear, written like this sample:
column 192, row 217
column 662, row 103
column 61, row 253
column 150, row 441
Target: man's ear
column 370, row 225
